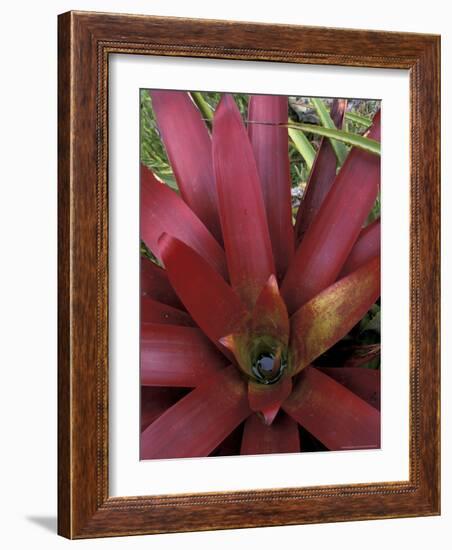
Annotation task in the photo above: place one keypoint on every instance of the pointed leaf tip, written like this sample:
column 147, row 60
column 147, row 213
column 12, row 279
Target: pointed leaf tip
column 268, row 398
column 163, row 211
column 269, row 316
column 270, row 142
column 242, row 210
column 334, row 230
column 211, row 302
column 270, row 414
column 188, row 144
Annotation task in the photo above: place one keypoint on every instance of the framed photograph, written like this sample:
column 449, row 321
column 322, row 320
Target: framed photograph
column 248, row 275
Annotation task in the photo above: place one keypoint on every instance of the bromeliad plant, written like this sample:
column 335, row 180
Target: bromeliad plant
column 247, row 301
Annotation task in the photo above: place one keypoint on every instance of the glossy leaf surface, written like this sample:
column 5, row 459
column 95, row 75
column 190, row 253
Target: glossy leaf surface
column 365, row 383
column 332, row 413
column 332, row 234
column 163, row 211
column 177, row 356
column 197, row 424
column 242, row 209
column 156, row 312
column 366, row 247
column 270, row 144
column 281, row 437
column 155, row 401
column 269, row 316
column 267, row 399
column 189, row 149
column 154, row 284
column 211, row 302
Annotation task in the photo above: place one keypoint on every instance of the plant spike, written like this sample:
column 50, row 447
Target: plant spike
column 321, row 176
column 242, row 209
column 211, row 302
column 330, row 237
column 270, row 144
column 189, row 149
column 163, row 211
column 339, row 148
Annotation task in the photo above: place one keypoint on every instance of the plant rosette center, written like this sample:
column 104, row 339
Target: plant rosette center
column 261, row 351
column 262, row 358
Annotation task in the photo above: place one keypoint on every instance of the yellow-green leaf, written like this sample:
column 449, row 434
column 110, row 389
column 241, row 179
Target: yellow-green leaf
column 355, row 140
column 339, row 148
column 303, row 145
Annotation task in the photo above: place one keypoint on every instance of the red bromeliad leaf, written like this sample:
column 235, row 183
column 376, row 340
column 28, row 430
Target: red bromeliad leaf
column 189, row 149
column 231, row 445
column 332, row 234
column 155, row 401
column 155, row 312
column 366, row 247
column 338, row 112
column 321, row 177
column 329, row 316
column 365, row 383
column 269, row 316
column 198, row 423
column 154, row 284
column 270, row 144
column 163, row 211
column 281, row 437
column 332, row 413
column 238, row 346
column 242, row 210
column 177, row 356
column 211, row 302
column 267, row 398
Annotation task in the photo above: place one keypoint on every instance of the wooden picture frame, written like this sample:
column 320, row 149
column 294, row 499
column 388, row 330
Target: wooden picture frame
column 86, row 40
